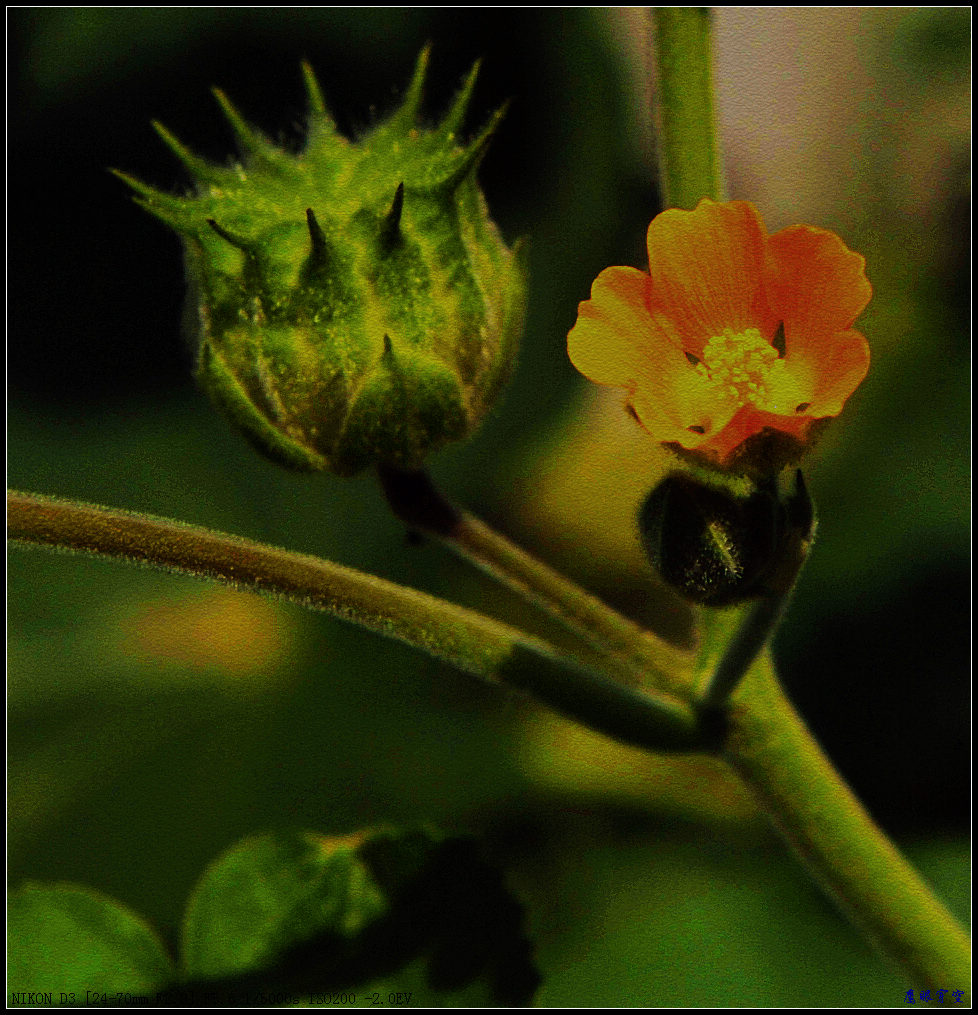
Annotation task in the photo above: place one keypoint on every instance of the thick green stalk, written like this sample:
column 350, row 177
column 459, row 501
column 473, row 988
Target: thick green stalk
column 467, row 640
column 686, row 133
column 844, row 850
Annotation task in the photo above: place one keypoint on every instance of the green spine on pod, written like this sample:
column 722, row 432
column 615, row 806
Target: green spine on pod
column 354, row 303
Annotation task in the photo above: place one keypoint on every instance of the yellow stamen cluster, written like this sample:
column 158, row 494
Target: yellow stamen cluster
column 748, row 370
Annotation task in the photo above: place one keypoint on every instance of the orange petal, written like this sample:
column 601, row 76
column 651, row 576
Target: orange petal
column 838, row 364
column 749, row 421
column 690, row 401
column 614, row 328
column 815, row 283
column 707, row 269
column 617, row 341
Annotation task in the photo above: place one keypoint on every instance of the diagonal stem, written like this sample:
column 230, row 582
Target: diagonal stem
column 416, row 500
column 761, row 737
column 769, row 746
column 467, row 640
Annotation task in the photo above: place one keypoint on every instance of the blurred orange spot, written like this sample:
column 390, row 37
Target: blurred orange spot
column 218, row 630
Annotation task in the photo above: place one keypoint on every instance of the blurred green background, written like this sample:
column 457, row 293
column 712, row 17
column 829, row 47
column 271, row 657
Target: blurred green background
column 153, row 720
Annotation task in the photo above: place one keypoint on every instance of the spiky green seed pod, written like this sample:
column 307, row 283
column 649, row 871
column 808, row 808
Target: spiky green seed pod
column 354, row 303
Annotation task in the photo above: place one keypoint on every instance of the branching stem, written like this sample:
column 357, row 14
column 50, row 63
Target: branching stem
column 417, row 501
column 758, row 734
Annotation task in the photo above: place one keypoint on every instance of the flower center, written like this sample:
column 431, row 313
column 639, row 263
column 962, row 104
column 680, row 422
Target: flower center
column 748, row 369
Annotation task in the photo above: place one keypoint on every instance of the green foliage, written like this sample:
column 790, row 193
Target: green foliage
column 265, row 893
column 355, row 303
column 294, row 917
column 71, row 941
column 936, row 43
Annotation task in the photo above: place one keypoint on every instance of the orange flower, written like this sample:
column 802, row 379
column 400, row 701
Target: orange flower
column 736, row 343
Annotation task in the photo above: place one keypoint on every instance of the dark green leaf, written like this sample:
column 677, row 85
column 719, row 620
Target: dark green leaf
column 296, row 914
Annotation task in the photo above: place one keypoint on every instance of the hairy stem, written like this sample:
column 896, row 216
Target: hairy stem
column 756, row 629
column 689, row 159
column 416, row 500
column 816, row 812
column 467, row 640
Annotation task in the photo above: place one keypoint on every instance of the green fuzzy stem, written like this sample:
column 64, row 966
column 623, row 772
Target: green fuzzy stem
column 689, row 158
column 843, row 849
column 641, row 655
column 466, row 640
column 654, row 661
